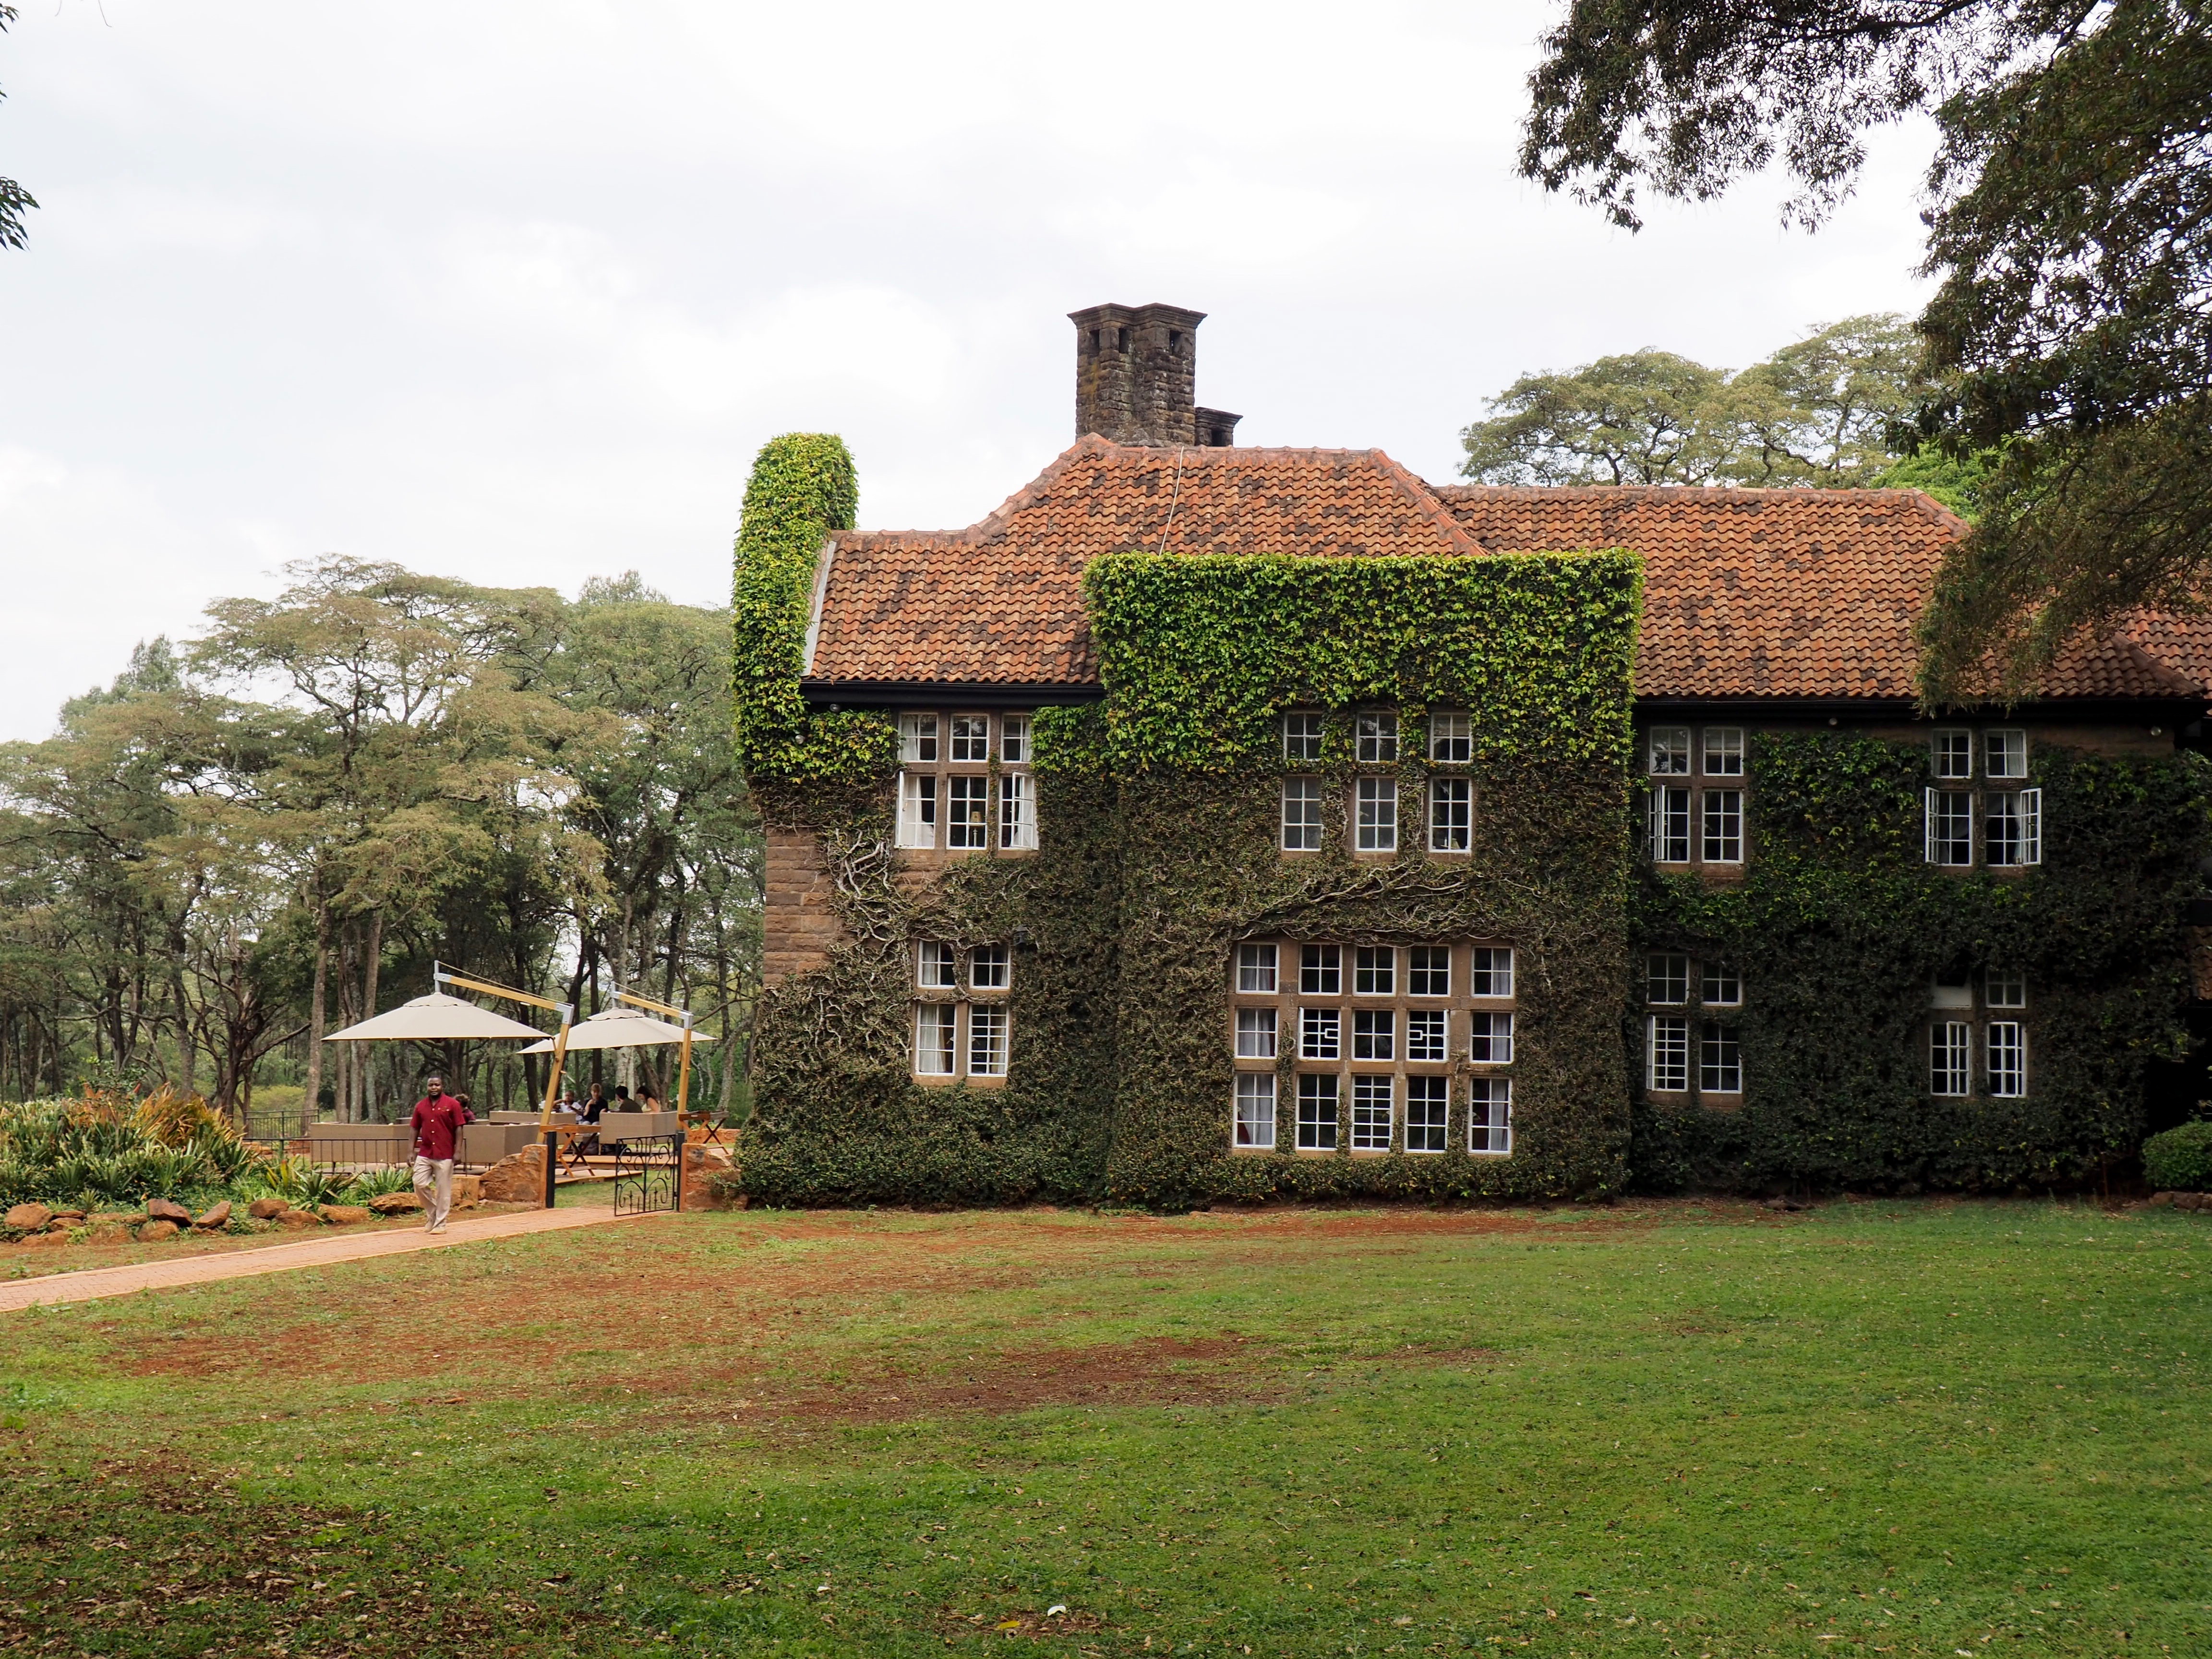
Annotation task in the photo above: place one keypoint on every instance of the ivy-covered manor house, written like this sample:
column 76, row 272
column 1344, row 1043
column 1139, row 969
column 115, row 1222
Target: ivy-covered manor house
column 1218, row 823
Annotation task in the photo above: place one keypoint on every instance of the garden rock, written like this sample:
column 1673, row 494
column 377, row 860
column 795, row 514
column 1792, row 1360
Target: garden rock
column 394, row 1203
column 2189, row 1200
column 468, row 1192
column 117, row 1218
column 518, row 1178
column 45, row 1241
column 345, row 1215
column 106, row 1233
column 267, row 1209
column 217, row 1217
column 69, row 1215
column 163, row 1209
column 154, row 1232
column 298, row 1218
column 28, row 1218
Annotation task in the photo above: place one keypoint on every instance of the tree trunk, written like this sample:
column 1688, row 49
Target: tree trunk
column 314, row 1102
column 369, row 997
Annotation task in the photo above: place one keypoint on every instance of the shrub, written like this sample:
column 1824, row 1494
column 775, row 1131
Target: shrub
column 374, row 1183
column 2181, row 1159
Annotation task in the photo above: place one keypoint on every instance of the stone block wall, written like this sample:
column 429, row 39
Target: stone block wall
column 799, row 922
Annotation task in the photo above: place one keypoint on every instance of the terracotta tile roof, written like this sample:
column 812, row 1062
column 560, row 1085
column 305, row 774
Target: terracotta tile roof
column 1749, row 592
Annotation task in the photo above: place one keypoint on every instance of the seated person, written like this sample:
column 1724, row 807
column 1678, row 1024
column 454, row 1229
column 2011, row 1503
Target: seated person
column 596, row 1104
column 647, row 1100
column 622, row 1102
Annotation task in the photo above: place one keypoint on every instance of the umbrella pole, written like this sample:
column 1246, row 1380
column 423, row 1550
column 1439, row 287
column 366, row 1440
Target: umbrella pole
column 546, row 1137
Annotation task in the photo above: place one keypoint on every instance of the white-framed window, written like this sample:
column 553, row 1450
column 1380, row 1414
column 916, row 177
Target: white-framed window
column 1720, row 1059
column 1301, row 815
column 1723, row 752
column 1374, row 1105
column 1373, row 1034
column 2012, row 827
column 1490, row 971
column 2007, row 1046
column 1490, row 1116
column 1667, row 825
column 1722, row 840
column 1425, row 1030
column 1378, row 816
column 934, row 966
column 1320, row 1034
column 1317, row 1111
column 1666, row 1054
column 968, row 812
column 1014, row 740
column 1950, row 827
column 1321, row 970
column 2003, row 987
column 1951, row 755
column 1255, row 1033
column 1428, row 970
column 1428, row 1113
column 1016, row 813
column 1667, row 751
column 1950, row 1052
column 1451, row 738
column 1666, row 978
column 918, row 739
column 1256, row 1109
column 986, row 1040
column 1489, row 1039
column 1451, row 815
column 2004, row 754
column 936, row 1031
column 1719, row 986
column 971, row 738
column 989, row 966
column 1377, row 737
column 1301, row 737
column 1256, row 968
column 1375, row 970
column 917, row 813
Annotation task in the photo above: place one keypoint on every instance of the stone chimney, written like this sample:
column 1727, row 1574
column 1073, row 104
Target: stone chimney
column 1136, row 369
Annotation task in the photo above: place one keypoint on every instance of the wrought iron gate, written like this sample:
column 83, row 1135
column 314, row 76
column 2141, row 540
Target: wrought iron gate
column 646, row 1173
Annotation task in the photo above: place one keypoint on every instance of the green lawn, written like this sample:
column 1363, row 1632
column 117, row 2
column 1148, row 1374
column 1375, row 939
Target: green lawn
column 1911, row 1428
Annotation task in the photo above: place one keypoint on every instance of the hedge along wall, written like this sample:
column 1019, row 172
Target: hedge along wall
column 1200, row 657
column 1840, row 929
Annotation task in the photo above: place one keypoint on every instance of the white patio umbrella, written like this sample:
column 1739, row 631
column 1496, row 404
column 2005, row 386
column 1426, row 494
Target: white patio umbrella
column 436, row 1017
column 615, row 1028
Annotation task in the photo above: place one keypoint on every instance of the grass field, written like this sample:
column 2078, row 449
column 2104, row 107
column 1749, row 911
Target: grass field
column 1911, row 1428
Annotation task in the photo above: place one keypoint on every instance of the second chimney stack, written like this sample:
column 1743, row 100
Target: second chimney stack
column 1136, row 378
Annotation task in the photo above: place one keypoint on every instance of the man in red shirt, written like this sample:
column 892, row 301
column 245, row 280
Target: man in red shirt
column 437, row 1123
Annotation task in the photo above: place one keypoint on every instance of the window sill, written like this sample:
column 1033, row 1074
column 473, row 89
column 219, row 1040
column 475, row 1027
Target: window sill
column 932, row 1081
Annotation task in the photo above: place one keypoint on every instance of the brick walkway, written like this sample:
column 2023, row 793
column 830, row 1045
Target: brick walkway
column 95, row 1282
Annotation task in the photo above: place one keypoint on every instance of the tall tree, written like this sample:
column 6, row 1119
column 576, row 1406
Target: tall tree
column 2069, row 222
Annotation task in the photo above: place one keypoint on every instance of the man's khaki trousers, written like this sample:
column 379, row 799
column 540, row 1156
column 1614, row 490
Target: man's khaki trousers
column 433, row 1185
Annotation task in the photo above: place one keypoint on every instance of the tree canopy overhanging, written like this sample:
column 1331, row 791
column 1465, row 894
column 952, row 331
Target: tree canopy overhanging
column 2069, row 215
column 14, row 198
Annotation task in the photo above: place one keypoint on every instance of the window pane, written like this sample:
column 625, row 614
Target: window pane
column 1720, row 987
column 1301, row 737
column 1950, row 827
column 1489, row 1039
column 917, row 816
column 917, row 739
column 1952, row 756
column 1665, row 977
column 1373, row 1034
column 1449, row 739
column 1378, row 814
column 967, row 815
column 1256, row 1034
column 936, row 971
column 1667, row 1053
column 1451, row 815
column 1428, row 970
column 1256, row 968
column 1723, row 752
column 1016, row 821
column 1490, row 971
column 986, row 1041
column 1301, row 815
column 2006, row 989
column 1720, row 1061
column 986, row 966
column 1256, row 1109
column 1428, row 1108
column 1948, row 1053
column 1317, row 1100
column 1668, row 750
column 1490, row 1114
column 1320, row 1034
column 2005, row 754
column 1425, row 1035
column 1668, row 838
column 1014, row 740
column 1378, row 736
column 1723, row 827
column 1375, row 970
column 1321, row 970
column 933, row 1037
column 971, row 737
column 2007, row 1058
column 1374, row 1101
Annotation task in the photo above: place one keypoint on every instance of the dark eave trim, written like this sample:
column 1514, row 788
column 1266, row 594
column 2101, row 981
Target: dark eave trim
column 2169, row 711
column 945, row 694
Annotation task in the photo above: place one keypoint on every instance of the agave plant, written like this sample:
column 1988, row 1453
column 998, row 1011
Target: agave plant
column 303, row 1185
column 374, row 1183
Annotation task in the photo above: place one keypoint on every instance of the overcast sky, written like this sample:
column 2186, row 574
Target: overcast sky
column 512, row 292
